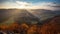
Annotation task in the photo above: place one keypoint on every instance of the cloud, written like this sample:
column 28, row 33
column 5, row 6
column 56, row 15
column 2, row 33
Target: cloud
column 56, row 5
column 47, row 5
column 23, row 3
column 17, row 4
column 7, row 5
column 26, row 5
column 3, row 0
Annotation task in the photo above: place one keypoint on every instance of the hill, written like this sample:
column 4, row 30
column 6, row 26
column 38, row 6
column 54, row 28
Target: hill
column 52, row 26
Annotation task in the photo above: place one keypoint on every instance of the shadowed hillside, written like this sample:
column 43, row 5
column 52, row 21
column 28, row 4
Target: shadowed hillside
column 52, row 26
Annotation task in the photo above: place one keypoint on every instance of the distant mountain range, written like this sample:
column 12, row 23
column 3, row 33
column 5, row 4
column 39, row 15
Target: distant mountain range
column 44, row 14
column 22, row 15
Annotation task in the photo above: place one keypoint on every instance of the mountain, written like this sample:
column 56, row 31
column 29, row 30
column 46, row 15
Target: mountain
column 24, row 21
column 17, row 15
column 31, row 16
column 45, row 14
column 52, row 26
column 25, row 16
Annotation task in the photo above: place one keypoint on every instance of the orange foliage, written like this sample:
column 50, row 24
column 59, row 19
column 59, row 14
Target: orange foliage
column 51, row 27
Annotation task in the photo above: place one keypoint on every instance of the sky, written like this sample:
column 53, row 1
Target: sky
column 30, row 4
